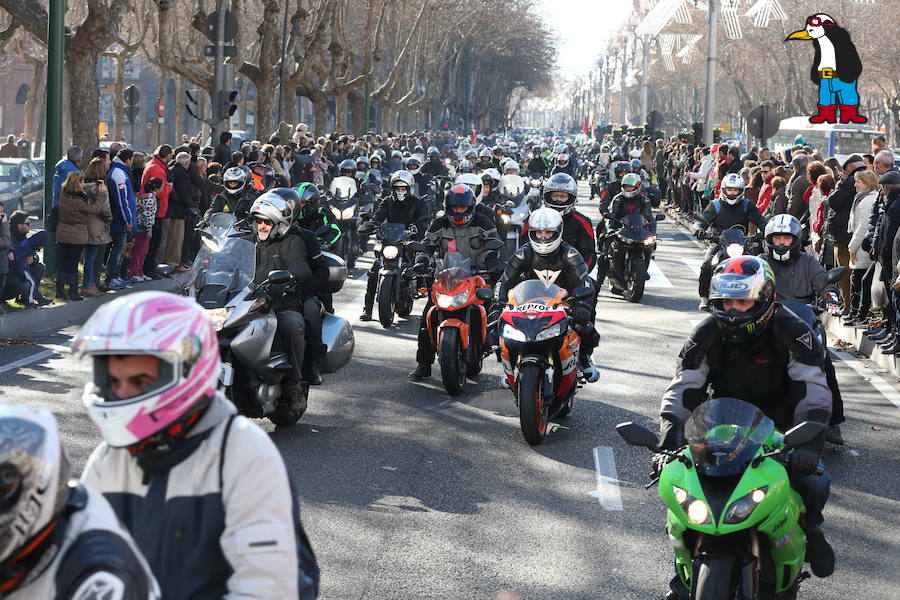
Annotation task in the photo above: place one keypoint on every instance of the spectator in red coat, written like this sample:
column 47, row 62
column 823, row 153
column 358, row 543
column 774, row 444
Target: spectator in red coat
column 158, row 167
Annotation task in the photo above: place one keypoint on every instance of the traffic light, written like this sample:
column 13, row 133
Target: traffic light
column 226, row 105
column 717, row 135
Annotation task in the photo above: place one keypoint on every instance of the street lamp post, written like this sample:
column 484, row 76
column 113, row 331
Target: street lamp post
column 56, row 43
column 645, row 77
column 709, row 106
column 624, row 68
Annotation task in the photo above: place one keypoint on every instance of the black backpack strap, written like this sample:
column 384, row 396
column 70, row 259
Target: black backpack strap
column 222, row 451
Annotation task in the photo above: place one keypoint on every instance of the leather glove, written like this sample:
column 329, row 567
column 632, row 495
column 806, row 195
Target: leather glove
column 803, row 461
column 659, row 462
column 581, row 315
column 698, row 233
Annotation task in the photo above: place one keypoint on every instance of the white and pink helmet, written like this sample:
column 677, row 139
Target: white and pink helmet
column 172, row 328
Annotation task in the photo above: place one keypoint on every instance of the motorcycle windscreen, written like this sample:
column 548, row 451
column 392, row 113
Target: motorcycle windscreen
column 392, row 232
column 634, row 227
column 452, row 270
column 724, row 434
column 218, row 276
column 343, row 188
column 534, row 290
column 512, row 188
column 221, row 223
column 734, row 235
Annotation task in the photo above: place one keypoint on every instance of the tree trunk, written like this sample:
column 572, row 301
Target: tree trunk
column 340, row 111
column 357, row 112
column 180, row 127
column 119, row 100
column 265, row 107
column 155, row 125
column 320, row 114
column 35, row 97
column 37, row 149
column 242, row 106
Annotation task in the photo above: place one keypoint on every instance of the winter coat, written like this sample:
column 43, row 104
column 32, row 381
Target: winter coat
column 146, row 211
column 28, row 248
column 74, row 212
column 796, row 206
column 98, row 224
column 887, row 231
column 5, row 243
column 180, row 200
column 839, row 205
column 121, row 196
column 157, row 168
column 858, row 227
column 60, row 173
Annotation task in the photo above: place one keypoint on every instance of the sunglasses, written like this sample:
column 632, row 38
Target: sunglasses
column 817, row 22
column 260, row 221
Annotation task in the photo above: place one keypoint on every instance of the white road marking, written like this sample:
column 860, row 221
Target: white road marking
column 694, row 322
column 27, row 360
column 657, row 277
column 693, row 264
column 607, row 491
column 614, row 388
column 886, row 389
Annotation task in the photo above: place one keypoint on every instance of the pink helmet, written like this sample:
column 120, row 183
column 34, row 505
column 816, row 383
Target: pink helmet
column 172, row 328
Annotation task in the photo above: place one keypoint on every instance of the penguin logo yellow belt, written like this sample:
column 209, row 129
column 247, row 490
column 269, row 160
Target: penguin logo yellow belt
column 826, row 73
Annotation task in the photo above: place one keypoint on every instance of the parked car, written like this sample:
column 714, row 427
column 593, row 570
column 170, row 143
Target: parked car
column 21, row 185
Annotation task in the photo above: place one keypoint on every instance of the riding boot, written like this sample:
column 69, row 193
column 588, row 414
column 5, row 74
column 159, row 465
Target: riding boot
column 312, row 363
column 819, row 552
column 296, row 398
column 369, row 302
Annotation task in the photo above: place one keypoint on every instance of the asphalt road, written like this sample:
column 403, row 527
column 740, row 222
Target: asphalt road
column 408, row 493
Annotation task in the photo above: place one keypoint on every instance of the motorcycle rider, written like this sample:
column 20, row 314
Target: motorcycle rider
column 547, row 255
column 800, row 277
column 59, row 539
column 537, row 164
column 237, row 197
column 461, row 229
column 199, row 488
column 629, row 201
column 490, row 188
column 614, row 187
column 465, row 166
column 486, row 160
column 434, row 166
column 561, row 194
column 271, row 217
column 753, row 349
column 511, row 167
column 312, row 213
column 564, row 165
column 375, row 165
column 401, row 206
column 347, row 168
column 729, row 210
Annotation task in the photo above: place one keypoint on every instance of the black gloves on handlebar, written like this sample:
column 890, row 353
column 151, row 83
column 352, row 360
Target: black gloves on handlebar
column 581, row 315
column 803, row 461
column 366, row 228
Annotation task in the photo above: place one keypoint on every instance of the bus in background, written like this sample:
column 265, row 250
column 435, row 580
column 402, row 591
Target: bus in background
column 839, row 140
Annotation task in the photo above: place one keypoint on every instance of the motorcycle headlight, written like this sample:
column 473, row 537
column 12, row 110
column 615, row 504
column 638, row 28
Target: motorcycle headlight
column 650, row 240
column 743, row 507
column 697, row 512
column 504, row 219
column 511, row 333
column 551, row 332
column 454, row 301
column 218, row 316
column 390, row 252
column 734, row 250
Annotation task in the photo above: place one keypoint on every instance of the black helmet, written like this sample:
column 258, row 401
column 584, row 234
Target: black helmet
column 308, row 202
column 347, row 167
column 622, row 167
column 783, row 224
column 742, row 278
column 460, row 195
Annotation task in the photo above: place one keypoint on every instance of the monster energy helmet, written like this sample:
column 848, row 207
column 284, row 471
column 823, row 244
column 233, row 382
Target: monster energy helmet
column 742, row 278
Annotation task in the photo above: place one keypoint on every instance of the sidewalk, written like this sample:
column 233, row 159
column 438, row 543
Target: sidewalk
column 58, row 316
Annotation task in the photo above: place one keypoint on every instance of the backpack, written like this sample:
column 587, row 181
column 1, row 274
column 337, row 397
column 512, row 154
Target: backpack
column 717, row 206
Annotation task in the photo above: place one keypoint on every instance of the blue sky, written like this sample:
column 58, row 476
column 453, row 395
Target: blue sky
column 582, row 25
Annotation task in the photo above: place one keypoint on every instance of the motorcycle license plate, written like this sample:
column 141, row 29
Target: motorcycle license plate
column 227, row 374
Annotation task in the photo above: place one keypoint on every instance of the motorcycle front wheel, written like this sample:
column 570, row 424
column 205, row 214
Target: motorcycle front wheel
column 386, row 301
column 637, row 279
column 716, row 578
column 532, row 410
column 452, row 359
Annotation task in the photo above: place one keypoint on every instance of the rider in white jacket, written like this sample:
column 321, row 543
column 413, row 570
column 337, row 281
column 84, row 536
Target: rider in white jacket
column 203, row 491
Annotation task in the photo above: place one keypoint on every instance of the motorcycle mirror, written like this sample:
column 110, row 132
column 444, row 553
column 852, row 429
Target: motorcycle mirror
column 582, row 293
column 484, row 293
column 279, row 276
column 660, row 217
column 165, row 270
column 637, row 435
column 804, row 433
column 834, row 275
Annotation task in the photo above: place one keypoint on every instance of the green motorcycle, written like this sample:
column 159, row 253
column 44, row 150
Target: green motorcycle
column 733, row 519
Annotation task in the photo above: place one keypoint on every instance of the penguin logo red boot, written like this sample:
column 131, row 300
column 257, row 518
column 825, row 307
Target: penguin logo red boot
column 835, row 69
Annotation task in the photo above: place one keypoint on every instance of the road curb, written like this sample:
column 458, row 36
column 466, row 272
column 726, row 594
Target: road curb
column 863, row 345
column 54, row 318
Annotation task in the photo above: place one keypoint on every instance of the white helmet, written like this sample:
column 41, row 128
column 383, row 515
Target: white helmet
column 511, row 165
column 172, row 328
column 562, row 160
column 402, row 178
column 732, row 180
column 472, row 180
column 234, row 181
column 545, row 219
column 273, row 207
column 34, row 475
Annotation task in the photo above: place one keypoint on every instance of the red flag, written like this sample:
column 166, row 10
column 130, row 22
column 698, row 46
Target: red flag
column 584, row 128
column 473, row 137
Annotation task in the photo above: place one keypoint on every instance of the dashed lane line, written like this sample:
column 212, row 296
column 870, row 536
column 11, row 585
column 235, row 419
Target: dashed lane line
column 607, row 491
column 693, row 264
column 657, row 279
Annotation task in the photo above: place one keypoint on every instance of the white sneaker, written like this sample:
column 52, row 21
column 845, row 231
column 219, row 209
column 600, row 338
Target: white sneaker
column 146, row 278
column 117, row 284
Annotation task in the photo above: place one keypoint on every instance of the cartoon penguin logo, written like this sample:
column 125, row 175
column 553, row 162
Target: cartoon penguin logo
column 835, row 69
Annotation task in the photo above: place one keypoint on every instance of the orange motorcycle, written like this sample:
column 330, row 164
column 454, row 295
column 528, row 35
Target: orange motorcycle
column 539, row 351
column 457, row 323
